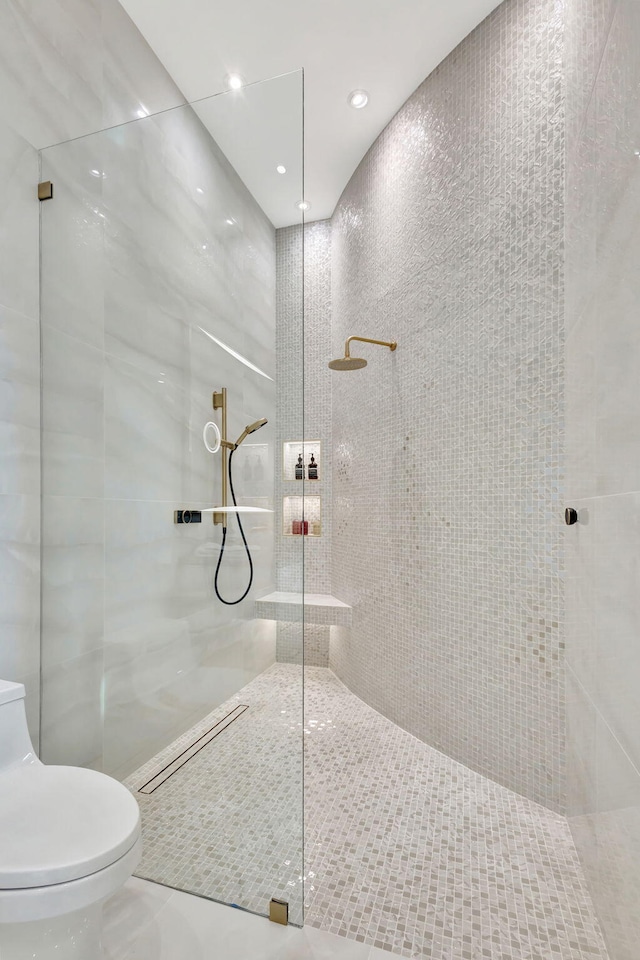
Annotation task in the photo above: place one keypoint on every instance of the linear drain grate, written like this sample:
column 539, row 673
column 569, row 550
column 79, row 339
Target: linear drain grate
column 189, row 752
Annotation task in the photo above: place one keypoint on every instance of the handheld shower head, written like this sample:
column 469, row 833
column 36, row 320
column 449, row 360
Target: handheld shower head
column 256, row 425
column 251, row 428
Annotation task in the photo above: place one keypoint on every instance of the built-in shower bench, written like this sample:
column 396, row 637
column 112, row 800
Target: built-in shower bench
column 319, row 608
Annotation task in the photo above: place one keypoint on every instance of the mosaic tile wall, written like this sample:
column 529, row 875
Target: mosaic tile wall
column 447, row 453
column 317, row 417
column 603, row 458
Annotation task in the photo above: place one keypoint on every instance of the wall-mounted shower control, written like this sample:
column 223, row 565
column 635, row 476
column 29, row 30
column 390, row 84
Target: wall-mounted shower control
column 570, row 516
column 187, row 516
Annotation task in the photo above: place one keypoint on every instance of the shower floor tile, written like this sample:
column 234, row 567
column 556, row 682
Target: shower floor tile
column 406, row 850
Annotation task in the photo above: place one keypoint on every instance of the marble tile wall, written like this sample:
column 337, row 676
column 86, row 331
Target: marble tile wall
column 603, row 458
column 446, row 454
column 67, row 67
column 151, row 247
column 127, row 376
column 313, row 381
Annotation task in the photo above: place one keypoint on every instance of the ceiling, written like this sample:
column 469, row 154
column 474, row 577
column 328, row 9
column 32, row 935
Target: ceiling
column 386, row 47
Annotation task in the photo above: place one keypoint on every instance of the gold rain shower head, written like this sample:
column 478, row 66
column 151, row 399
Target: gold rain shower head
column 356, row 363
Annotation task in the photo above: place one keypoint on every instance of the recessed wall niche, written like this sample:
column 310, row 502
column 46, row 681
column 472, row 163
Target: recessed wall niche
column 301, row 516
column 292, row 450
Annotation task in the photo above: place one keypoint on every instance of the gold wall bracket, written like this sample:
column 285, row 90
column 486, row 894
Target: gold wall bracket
column 279, row 911
column 45, row 190
column 219, row 402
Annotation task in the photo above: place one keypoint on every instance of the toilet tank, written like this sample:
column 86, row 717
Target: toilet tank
column 15, row 742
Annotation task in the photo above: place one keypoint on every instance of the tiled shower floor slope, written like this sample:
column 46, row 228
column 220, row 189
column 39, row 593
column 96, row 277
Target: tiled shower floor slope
column 405, row 849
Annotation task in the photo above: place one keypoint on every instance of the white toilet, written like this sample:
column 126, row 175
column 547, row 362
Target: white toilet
column 69, row 838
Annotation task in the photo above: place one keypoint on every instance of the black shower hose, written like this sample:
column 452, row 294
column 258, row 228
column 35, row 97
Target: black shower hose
column 231, row 603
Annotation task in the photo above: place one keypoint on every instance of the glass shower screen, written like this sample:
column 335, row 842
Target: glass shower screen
column 159, row 316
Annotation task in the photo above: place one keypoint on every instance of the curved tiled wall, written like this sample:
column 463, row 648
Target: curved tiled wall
column 447, row 453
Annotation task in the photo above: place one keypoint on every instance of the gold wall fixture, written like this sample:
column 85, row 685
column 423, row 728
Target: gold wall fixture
column 355, row 363
column 45, row 190
column 220, row 403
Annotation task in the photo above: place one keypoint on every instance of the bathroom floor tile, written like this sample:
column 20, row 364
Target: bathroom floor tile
column 130, row 912
column 177, row 926
column 406, row 850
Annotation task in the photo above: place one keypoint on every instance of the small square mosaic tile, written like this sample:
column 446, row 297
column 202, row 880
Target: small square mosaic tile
column 405, row 848
column 447, row 455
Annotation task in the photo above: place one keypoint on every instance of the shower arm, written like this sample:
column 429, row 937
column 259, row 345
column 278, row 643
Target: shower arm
column 381, row 343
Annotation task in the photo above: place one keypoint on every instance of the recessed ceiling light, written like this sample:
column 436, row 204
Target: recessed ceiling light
column 358, row 99
column 303, row 205
column 142, row 112
column 281, row 168
column 234, row 81
column 199, row 190
column 230, row 221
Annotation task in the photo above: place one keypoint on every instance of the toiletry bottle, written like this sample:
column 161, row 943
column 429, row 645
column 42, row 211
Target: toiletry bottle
column 300, row 468
column 296, row 526
column 313, row 469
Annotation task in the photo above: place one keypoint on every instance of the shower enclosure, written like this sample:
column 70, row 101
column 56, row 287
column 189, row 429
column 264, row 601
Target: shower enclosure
column 158, row 294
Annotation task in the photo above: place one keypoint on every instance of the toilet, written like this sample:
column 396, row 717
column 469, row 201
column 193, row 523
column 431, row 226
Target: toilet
column 69, row 839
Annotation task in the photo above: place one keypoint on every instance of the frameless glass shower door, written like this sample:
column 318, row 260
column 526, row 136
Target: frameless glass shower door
column 158, row 350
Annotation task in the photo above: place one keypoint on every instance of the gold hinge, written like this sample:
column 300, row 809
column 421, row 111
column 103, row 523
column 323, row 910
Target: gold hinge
column 279, row 911
column 45, row 190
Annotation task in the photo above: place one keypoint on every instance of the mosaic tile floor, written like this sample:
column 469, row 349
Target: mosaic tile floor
column 406, row 849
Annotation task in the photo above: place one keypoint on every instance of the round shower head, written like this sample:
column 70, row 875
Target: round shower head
column 250, row 428
column 348, row 363
column 356, row 363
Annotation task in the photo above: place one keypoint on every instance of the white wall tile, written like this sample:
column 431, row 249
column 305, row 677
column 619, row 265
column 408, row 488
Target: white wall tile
column 617, row 616
column 18, row 222
column 71, row 729
column 72, row 577
column 72, row 416
column 603, row 564
column 20, row 586
column 67, row 67
column 19, row 403
column 72, row 241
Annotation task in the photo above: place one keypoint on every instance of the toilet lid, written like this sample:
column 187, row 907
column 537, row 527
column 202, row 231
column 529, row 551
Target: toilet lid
column 61, row 823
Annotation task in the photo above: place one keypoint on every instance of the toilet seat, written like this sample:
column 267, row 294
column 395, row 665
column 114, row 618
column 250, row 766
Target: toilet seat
column 60, row 824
